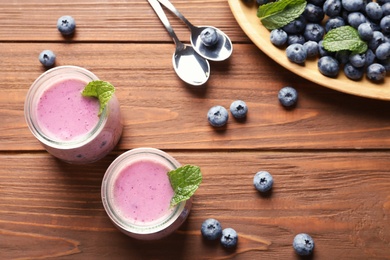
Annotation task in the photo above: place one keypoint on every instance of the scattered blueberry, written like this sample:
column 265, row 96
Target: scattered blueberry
column 209, row 36
column 47, row 58
column 229, row 238
column 303, row 244
column 263, row 181
column 328, row 66
column 66, row 25
column 211, row 229
column 239, row 109
column 217, row 116
column 288, row 96
column 296, row 53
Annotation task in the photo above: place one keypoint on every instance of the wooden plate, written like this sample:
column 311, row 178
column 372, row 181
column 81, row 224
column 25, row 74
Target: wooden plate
column 245, row 14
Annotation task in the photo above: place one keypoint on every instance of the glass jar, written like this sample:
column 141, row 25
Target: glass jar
column 122, row 193
column 87, row 147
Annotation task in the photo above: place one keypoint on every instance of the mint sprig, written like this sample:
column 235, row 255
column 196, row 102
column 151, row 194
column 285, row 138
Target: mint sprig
column 344, row 38
column 277, row 14
column 185, row 180
column 102, row 90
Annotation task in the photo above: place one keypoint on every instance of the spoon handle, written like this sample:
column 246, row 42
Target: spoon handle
column 173, row 9
column 164, row 19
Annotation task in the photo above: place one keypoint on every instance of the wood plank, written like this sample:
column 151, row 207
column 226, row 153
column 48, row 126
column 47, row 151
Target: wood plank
column 110, row 21
column 161, row 111
column 49, row 208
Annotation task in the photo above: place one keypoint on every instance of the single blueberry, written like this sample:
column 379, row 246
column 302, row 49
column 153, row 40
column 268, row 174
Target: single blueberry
column 47, row 58
column 303, row 244
column 370, row 57
column 296, row 53
column 333, row 23
column 342, row 56
column 385, row 24
column 217, row 116
column 296, row 26
column 66, row 25
column 314, row 32
column 386, row 8
column 229, row 238
column 295, row 38
column 311, row 48
column 288, row 96
column 376, row 72
column 383, row 51
column 263, row 181
column 355, row 19
column 358, row 60
column 352, row 72
column 328, row 66
column 353, row 5
column 211, row 229
column 239, row 109
column 332, row 8
column 313, row 13
column 365, row 31
column 278, row 37
column 209, row 36
column 374, row 11
column 377, row 39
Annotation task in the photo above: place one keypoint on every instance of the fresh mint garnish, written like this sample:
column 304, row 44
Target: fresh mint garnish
column 185, row 180
column 344, row 38
column 101, row 90
column 279, row 13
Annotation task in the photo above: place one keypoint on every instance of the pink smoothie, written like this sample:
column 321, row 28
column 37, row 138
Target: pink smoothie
column 142, row 191
column 64, row 114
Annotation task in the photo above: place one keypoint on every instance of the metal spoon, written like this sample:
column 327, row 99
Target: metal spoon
column 188, row 64
column 218, row 52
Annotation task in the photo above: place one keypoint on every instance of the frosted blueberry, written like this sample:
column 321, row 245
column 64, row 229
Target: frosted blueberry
column 365, row 31
column 303, row 244
column 357, row 60
column 314, row 32
column 278, row 37
column 374, row 11
column 288, row 96
column 333, row 23
column 296, row 26
column 66, row 25
column 385, row 24
column 352, row 72
column 377, row 39
column 370, row 57
column 47, row 58
column 217, row 116
column 263, row 181
column 311, row 48
column 355, row 19
column 376, row 72
column 386, row 8
column 342, row 56
column 239, row 109
column 332, row 8
column 211, row 229
column 383, row 51
column 353, row 5
column 229, row 238
column 328, row 66
column 209, row 36
column 296, row 53
column 313, row 13
column 295, row 38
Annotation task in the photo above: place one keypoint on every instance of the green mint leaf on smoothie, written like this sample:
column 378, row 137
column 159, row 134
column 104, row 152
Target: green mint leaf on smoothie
column 279, row 13
column 101, row 90
column 344, row 38
column 185, row 180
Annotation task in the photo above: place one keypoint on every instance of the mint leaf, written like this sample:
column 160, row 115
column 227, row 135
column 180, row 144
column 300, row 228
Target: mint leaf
column 344, row 38
column 277, row 14
column 185, row 180
column 101, row 90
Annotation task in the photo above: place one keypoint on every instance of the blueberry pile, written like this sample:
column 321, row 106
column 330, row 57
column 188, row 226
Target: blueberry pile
column 303, row 37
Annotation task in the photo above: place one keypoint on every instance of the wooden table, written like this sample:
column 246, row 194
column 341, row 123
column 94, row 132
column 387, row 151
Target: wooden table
column 330, row 156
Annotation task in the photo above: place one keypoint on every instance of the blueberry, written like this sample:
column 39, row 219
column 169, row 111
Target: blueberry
column 295, row 38
column 386, row 8
column 211, row 229
column 311, row 48
column 358, row 60
column 352, row 72
column 209, row 36
column 374, row 11
column 332, row 8
column 353, row 5
column 47, row 58
column 383, row 51
column 333, row 23
column 322, row 51
column 313, row 13
column 263, row 181
column 217, row 116
column 278, row 37
column 314, row 32
column 377, row 39
column 66, row 25
column 386, row 64
column 342, row 56
column 328, row 66
column 365, row 31
column 229, row 238
column 296, row 53
column 296, row 26
column 239, row 109
column 376, row 72
column 385, row 24
column 355, row 19
column 288, row 96
column 303, row 244
column 370, row 57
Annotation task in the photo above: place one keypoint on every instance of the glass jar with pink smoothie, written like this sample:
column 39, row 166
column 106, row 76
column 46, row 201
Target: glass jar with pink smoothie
column 67, row 123
column 136, row 194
